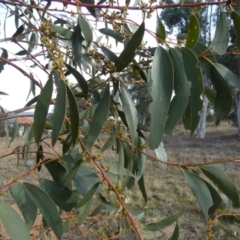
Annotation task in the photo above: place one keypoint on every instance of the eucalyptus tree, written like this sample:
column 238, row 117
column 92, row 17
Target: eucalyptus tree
column 104, row 50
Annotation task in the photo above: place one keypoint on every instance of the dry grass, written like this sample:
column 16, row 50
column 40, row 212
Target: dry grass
column 167, row 190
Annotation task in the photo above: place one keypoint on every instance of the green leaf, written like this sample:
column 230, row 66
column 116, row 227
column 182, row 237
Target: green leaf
column 120, row 171
column 140, row 159
column 160, row 31
column 19, row 31
column 59, row 111
column 74, row 115
column 62, row 196
column 4, row 54
column 14, row 132
column 41, row 109
column 39, row 156
column 46, row 207
column 194, row 75
column 22, row 52
column 236, row 20
column 161, row 92
column 193, row 32
column 13, row 223
column 110, row 55
column 3, row 93
column 89, row 195
column 162, row 223
column 200, row 191
column 222, row 181
column 210, row 94
column 68, row 34
column 221, row 37
column 182, row 92
column 99, row 118
column 25, row 204
column 162, row 155
column 142, row 188
column 77, row 44
column 58, row 172
column 111, row 33
column 175, row 235
column 85, row 179
column 84, row 212
column 223, row 100
column 111, row 139
column 148, row 235
column 217, row 200
column 84, row 26
column 73, row 172
column 130, row 112
column 33, row 41
column 231, row 79
column 128, row 52
column 80, row 79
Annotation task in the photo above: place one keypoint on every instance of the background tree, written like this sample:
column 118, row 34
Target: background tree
column 113, row 85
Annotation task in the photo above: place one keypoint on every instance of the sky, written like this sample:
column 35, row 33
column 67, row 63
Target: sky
column 15, row 84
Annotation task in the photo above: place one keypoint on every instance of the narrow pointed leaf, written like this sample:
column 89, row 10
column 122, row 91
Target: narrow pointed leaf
column 110, row 55
column 175, row 235
column 85, row 179
column 58, row 172
column 77, row 44
column 59, row 111
column 84, row 211
column 120, row 171
column 25, row 204
column 221, row 37
column 84, row 26
column 19, row 31
column 161, row 91
column 162, row 155
column 3, row 93
column 140, row 159
column 99, row 118
column 73, row 172
column 162, row 223
column 128, row 52
column 142, row 188
column 41, row 110
column 231, row 79
column 217, row 200
column 15, row 131
column 68, row 34
column 111, row 139
column 222, row 181
column 210, row 94
column 160, row 31
column 193, row 32
column 89, row 195
column 46, row 207
column 4, row 54
column 39, row 156
column 62, row 196
column 80, row 79
column 182, row 92
column 111, row 33
column 236, row 20
column 194, row 75
column 130, row 112
column 200, row 191
column 33, row 42
column 13, row 223
column 74, row 115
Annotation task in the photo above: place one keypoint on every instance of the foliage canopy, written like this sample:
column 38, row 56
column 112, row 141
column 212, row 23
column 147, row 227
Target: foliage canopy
column 104, row 50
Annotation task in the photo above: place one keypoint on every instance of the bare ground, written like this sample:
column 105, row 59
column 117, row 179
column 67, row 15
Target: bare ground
column 167, row 190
